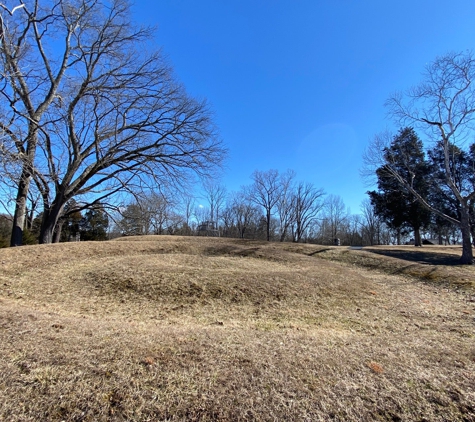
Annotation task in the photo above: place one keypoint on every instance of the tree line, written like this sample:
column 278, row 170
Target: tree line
column 277, row 207
column 274, row 206
column 91, row 113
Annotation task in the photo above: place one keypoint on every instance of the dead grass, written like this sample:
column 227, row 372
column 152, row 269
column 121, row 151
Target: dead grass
column 435, row 264
column 168, row 328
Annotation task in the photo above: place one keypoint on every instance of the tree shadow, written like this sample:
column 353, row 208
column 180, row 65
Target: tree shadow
column 422, row 257
column 318, row 251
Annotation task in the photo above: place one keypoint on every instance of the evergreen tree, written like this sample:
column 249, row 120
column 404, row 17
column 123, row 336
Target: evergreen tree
column 68, row 226
column 134, row 222
column 94, row 224
column 393, row 203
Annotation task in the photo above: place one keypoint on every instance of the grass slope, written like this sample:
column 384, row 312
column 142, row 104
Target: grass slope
column 169, row 328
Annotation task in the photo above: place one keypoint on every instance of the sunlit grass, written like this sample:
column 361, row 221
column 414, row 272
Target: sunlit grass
column 170, row 328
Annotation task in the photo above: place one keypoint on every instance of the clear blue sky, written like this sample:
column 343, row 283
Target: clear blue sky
column 301, row 84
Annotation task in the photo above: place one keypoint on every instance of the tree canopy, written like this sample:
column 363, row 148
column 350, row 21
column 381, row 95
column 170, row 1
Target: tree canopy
column 90, row 108
column 394, row 203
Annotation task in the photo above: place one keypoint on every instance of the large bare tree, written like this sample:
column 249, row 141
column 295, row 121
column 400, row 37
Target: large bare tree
column 90, row 107
column 266, row 192
column 443, row 105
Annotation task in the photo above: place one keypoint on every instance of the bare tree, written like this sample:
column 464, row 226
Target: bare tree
column 158, row 207
column 215, row 194
column 371, row 224
column 97, row 113
column 133, row 221
column 335, row 214
column 265, row 192
column 284, row 206
column 242, row 213
column 352, row 231
column 444, row 106
column 201, row 214
column 187, row 205
column 307, row 204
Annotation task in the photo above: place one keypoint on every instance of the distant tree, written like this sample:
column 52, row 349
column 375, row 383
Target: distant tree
column 265, row 192
column 94, row 224
column 371, row 225
column 242, row 215
column 5, row 230
column 133, row 222
column 187, row 203
column 201, row 214
column 284, row 206
column 307, row 203
column 335, row 215
column 353, row 234
column 69, row 225
column 215, row 194
column 158, row 209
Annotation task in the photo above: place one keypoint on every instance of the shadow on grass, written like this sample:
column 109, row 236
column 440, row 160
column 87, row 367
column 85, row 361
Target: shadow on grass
column 422, row 257
column 319, row 251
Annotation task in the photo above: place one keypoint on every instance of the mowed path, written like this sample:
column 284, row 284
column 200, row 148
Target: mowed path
column 213, row 329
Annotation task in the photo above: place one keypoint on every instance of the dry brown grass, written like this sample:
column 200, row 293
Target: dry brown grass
column 169, row 328
column 435, row 264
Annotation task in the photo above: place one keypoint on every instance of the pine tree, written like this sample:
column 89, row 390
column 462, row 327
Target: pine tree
column 94, row 224
column 392, row 202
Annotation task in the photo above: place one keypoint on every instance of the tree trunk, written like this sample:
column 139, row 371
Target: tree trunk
column 467, row 252
column 282, row 236
column 268, row 226
column 417, row 236
column 20, row 209
column 57, row 231
column 472, row 232
column 50, row 218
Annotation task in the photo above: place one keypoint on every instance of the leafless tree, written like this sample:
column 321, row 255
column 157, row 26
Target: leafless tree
column 443, row 105
column 187, row 204
column 158, row 207
column 371, row 224
column 243, row 214
column 307, row 204
column 352, row 230
column 335, row 214
column 90, row 108
column 201, row 214
column 133, row 221
column 285, row 206
column 265, row 192
column 215, row 194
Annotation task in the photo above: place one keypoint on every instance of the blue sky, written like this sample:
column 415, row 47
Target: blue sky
column 301, row 84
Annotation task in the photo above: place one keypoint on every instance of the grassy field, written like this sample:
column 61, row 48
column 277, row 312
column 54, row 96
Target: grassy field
column 202, row 329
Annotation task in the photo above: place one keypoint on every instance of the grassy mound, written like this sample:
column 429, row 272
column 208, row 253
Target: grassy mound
column 170, row 328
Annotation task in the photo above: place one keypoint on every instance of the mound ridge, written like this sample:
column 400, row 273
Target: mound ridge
column 171, row 328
